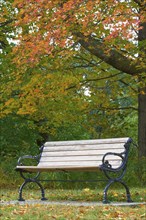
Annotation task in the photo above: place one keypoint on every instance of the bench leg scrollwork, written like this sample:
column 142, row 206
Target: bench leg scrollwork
column 105, row 200
column 115, row 174
column 30, row 180
column 112, row 180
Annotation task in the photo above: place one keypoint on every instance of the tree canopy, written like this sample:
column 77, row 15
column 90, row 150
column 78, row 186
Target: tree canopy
column 77, row 61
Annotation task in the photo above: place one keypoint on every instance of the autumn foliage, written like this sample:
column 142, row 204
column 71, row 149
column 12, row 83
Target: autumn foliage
column 52, row 27
column 76, row 61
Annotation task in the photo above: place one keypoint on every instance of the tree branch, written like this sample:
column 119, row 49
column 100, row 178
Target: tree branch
column 6, row 22
column 113, row 57
column 101, row 78
column 120, row 108
column 127, row 84
column 83, row 82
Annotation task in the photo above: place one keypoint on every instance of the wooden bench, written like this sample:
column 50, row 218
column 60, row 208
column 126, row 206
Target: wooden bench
column 107, row 155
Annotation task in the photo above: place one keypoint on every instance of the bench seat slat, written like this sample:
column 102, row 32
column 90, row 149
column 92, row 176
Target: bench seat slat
column 64, row 167
column 77, row 163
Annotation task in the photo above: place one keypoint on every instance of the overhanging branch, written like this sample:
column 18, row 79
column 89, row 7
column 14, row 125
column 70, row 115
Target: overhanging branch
column 6, row 22
column 86, row 81
column 119, row 108
column 113, row 57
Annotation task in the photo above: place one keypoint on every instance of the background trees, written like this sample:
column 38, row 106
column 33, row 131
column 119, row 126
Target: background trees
column 79, row 63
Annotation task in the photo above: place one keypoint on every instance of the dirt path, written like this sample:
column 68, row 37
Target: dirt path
column 69, row 203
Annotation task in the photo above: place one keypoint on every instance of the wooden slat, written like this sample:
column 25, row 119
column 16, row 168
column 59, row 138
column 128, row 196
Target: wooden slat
column 76, row 153
column 70, row 163
column 59, row 165
column 80, row 142
column 107, row 147
column 80, row 152
column 77, row 163
column 64, row 167
column 76, row 158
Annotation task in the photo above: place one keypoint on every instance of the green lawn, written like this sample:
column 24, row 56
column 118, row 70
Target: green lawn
column 61, row 212
column 50, row 212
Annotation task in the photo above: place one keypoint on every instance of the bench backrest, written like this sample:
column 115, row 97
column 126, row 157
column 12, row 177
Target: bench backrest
column 82, row 153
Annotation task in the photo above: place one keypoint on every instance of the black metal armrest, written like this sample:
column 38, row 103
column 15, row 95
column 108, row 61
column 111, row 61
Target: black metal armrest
column 108, row 167
column 19, row 163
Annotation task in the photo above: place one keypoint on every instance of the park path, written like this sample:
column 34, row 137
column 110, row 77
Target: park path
column 69, row 203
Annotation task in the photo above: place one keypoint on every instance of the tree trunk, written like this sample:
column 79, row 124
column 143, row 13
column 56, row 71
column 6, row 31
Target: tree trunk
column 142, row 93
column 142, row 122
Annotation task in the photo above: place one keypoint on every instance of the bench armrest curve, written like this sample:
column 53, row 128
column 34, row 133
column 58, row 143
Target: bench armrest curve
column 19, row 163
column 108, row 167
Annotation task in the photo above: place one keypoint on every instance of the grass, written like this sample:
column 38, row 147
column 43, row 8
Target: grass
column 61, row 212
column 86, row 194
column 51, row 212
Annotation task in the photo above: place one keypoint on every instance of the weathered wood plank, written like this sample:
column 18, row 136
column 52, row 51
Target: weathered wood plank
column 65, row 167
column 77, row 153
column 80, row 142
column 107, row 147
column 76, row 163
column 76, row 158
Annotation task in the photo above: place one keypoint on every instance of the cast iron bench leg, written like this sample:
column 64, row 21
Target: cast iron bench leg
column 29, row 181
column 127, row 191
column 105, row 200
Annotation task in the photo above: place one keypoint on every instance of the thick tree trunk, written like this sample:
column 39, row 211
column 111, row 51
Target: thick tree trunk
column 142, row 96
column 142, row 122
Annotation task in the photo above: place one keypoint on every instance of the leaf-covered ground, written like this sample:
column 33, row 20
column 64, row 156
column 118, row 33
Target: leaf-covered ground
column 61, row 212
column 50, row 212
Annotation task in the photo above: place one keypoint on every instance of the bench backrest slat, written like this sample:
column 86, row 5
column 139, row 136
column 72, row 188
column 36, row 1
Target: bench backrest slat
column 78, row 153
column 77, row 158
column 83, row 147
column 88, row 142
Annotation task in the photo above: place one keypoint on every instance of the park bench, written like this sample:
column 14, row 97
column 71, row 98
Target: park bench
column 107, row 155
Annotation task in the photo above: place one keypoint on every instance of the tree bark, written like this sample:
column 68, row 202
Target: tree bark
column 142, row 122
column 142, row 98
